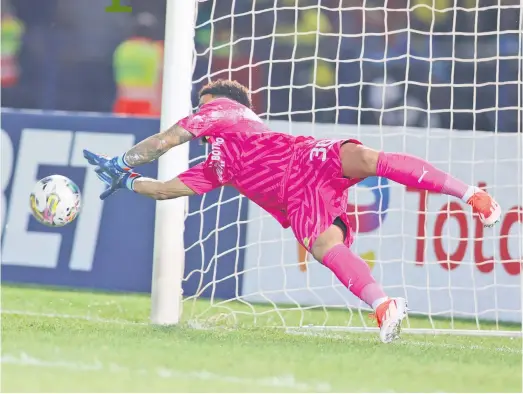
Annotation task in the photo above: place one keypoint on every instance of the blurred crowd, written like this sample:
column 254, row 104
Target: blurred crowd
column 437, row 63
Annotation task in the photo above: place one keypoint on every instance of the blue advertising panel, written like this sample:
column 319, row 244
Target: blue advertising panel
column 110, row 245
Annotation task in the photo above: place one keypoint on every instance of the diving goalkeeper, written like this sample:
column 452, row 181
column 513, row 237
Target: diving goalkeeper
column 302, row 182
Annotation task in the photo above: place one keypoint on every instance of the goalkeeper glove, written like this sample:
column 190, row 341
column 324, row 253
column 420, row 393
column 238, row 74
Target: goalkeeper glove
column 115, row 165
column 110, row 172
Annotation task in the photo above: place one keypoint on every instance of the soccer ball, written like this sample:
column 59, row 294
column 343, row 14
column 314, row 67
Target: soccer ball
column 55, row 201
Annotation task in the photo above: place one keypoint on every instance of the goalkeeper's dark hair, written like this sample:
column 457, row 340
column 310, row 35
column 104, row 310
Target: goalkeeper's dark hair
column 231, row 89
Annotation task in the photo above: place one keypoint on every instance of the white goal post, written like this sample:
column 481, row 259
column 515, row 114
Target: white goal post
column 169, row 251
column 311, row 76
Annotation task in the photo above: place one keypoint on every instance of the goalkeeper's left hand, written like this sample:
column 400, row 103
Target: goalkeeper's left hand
column 112, row 175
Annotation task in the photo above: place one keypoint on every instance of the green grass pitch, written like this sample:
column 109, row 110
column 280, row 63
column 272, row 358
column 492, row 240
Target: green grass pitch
column 68, row 341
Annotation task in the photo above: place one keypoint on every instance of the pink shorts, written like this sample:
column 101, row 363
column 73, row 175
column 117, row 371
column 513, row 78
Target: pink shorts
column 317, row 192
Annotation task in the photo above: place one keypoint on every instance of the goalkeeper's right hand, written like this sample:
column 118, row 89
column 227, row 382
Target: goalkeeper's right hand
column 110, row 173
column 116, row 164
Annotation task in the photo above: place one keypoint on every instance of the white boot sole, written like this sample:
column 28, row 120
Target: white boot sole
column 493, row 218
column 391, row 328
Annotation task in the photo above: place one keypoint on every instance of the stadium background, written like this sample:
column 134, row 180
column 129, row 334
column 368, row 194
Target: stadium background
column 469, row 58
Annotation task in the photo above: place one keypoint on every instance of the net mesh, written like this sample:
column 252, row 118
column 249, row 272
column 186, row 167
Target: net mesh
column 398, row 75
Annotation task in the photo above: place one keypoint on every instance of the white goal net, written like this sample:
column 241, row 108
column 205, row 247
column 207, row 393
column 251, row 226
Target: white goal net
column 398, row 75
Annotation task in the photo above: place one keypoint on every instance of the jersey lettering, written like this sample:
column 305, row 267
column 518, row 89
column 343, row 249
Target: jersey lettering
column 216, row 158
column 321, row 152
column 321, row 149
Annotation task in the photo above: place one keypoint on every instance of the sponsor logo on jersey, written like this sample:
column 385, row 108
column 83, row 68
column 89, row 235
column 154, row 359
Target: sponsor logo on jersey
column 217, row 161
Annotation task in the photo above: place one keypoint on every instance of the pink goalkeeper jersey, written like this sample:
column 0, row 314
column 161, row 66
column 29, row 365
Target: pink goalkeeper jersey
column 244, row 154
column 298, row 180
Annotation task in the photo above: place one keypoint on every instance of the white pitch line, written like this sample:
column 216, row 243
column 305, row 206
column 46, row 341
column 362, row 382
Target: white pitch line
column 404, row 341
column 284, row 381
column 359, row 338
column 72, row 317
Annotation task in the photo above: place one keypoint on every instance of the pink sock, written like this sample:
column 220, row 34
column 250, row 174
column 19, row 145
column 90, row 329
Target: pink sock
column 416, row 172
column 354, row 273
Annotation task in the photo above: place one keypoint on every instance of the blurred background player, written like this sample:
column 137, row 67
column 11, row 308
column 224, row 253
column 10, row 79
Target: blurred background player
column 301, row 181
column 12, row 30
column 137, row 64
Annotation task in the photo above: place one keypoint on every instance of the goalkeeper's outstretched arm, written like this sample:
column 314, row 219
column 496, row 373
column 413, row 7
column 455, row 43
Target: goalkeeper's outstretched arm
column 117, row 172
column 151, row 148
column 159, row 190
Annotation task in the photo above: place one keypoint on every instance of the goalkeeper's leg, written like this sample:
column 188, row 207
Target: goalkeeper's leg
column 361, row 162
column 354, row 273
